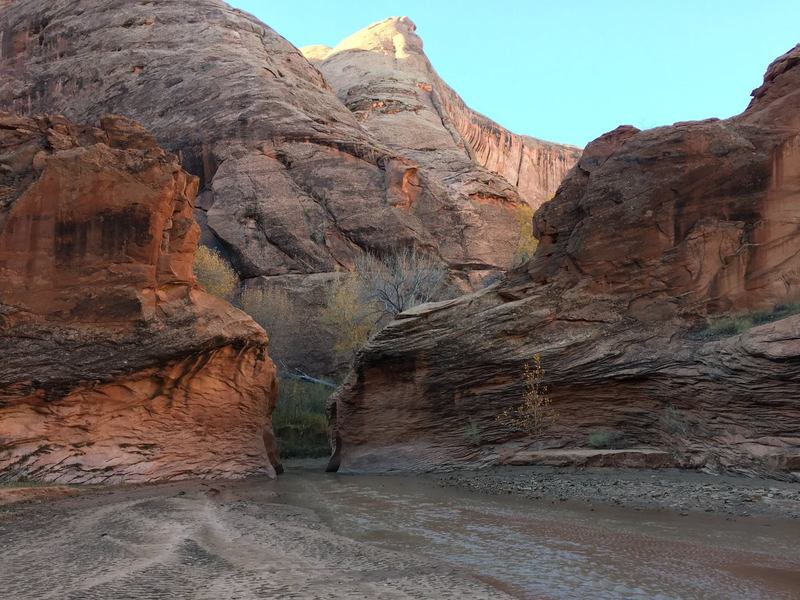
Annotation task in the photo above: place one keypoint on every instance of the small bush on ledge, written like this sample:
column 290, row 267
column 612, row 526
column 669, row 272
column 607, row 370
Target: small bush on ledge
column 214, row 273
column 606, row 440
column 535, row 415
column 472, row 432
column 729, row 326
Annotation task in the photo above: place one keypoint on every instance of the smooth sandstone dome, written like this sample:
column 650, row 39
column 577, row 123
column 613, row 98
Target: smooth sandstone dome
column 382, row 74
column 652, row 236
column 114, row 365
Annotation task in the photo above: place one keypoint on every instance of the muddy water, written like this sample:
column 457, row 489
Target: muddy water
column 542, row 550
column 315, row 536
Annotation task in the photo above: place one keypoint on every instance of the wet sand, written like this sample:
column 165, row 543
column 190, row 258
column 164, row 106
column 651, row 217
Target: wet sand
column 312, row 535
column 209, row 541
column 674, row 490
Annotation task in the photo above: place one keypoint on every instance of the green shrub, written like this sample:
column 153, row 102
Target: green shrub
column 728, row 326
column 472, row 432
column 781, row 311
column 214, row 273
column 299, row 421
column 608, row 439
column 673, row 422
column 23, row 482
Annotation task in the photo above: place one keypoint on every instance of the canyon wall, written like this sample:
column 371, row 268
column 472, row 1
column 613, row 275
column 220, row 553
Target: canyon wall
column 383, row 76
column 663, row 299
column 292, row 183
column 114, row 365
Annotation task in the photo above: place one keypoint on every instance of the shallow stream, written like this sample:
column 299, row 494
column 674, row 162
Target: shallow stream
column 537, row 549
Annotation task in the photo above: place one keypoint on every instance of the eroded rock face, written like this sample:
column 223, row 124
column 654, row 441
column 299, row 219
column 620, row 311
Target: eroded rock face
column 114, row 366
column 292, row 182
column 383, row 76
column 653, row 233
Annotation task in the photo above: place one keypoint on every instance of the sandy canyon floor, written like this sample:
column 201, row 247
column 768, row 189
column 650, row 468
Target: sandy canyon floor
column 312, row 535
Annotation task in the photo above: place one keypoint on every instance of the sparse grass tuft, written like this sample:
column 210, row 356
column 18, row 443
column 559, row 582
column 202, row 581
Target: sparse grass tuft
column 673, row 422
column 23, row 483
column 728, row 326
column 606, row 440
column 472, row 432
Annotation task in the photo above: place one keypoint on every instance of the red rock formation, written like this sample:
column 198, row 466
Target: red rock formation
column 114, row 366
column 652, row 234
column 291, row 182
column 382, row 74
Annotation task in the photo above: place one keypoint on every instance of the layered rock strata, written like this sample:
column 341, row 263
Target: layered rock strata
column 292, row 182
column 384, row 77
column 114, row 365
column 663, row 300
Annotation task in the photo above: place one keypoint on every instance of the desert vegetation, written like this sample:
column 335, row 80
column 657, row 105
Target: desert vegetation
column 472, row 432
column 214, row 273
column 535, row 414
column 400, row 280
column 273, row 310
column 357, row 304
column 527, row 243
column 608, row 439
column 734, row 325
column 364, row 301
column 299, row 421
column 673, row 422
column 348, row 314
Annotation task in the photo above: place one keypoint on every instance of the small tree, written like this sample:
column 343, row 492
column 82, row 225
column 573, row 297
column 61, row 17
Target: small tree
column 273, row 310
column 214, row 273
column 379, row 288
column 535, row 414
column 400, row 280
column 527, row 243
column 348, row 314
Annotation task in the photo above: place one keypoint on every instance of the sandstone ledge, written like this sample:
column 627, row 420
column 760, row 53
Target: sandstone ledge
column 637, row 458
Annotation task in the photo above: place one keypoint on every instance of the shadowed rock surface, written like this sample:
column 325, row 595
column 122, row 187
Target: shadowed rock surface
column 652, row 234
column 291, row 182
column 383, row 76
column 114, row 366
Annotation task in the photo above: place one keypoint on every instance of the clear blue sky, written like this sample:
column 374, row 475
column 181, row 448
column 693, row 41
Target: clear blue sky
column 568, row 71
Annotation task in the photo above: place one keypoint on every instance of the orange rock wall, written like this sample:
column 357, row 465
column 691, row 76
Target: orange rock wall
column 114, row 366
column 663, row 300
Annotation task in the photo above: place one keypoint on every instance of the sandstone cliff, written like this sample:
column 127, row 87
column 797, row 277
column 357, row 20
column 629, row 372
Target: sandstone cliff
column 292, row 182
column 651, row 241
column 383, row 76
column 114, row 366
